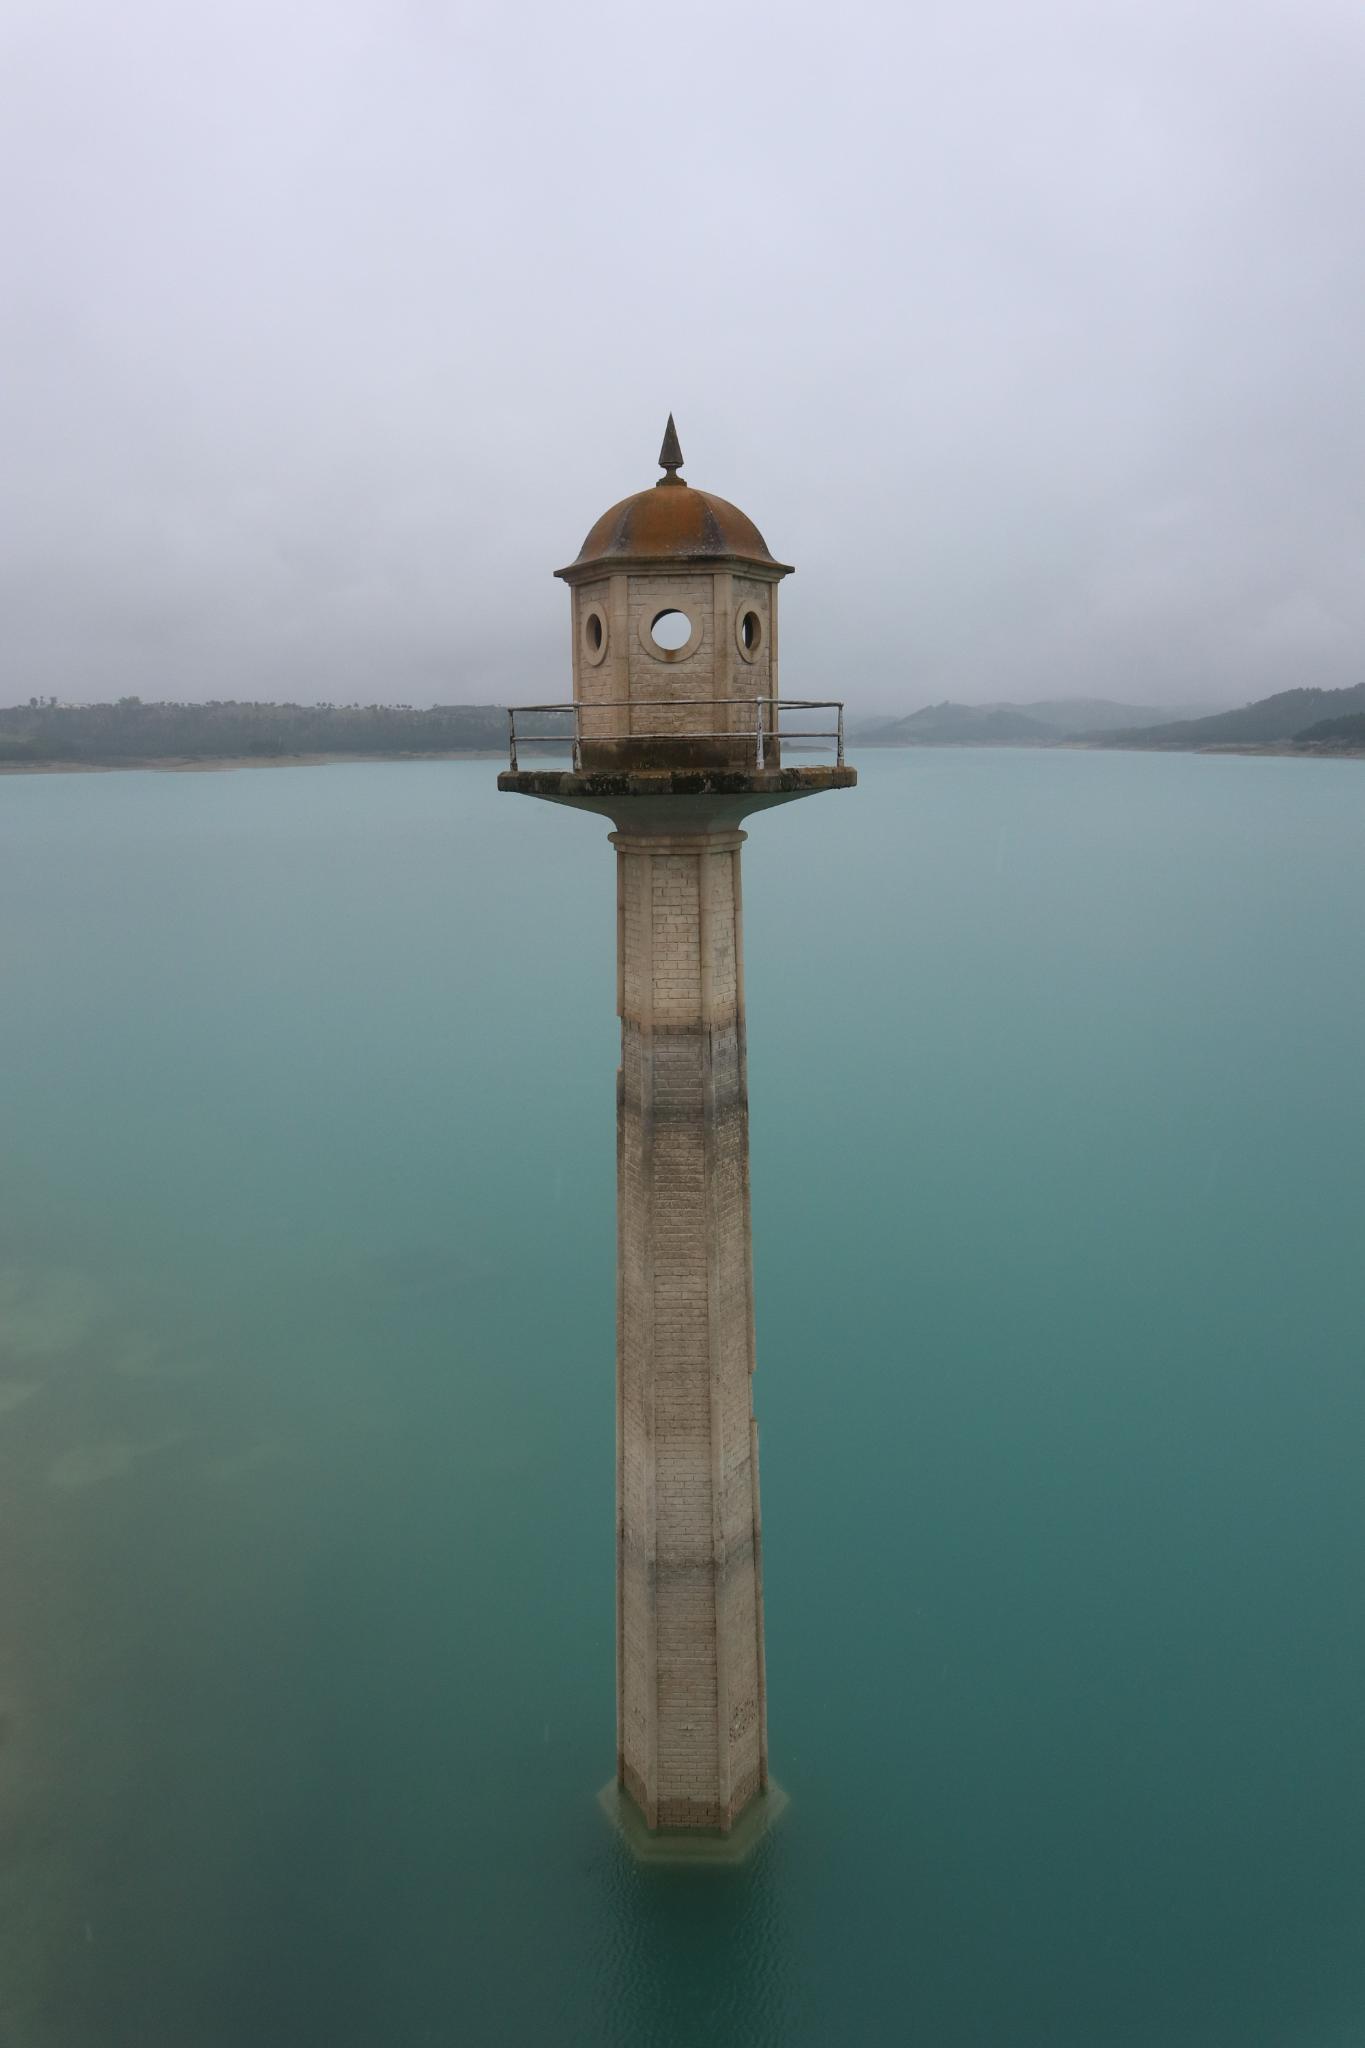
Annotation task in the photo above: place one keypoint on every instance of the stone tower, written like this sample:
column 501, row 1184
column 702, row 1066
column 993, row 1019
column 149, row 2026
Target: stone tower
column 676, row 737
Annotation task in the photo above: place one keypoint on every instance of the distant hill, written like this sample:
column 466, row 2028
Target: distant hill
column 1075, row 715
column 105, row 735
column 1334, row 732
column 1271, row 719
column 961, row 722
column 1043, row 722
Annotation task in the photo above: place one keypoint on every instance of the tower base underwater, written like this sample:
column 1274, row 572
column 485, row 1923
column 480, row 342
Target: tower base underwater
column 673, row 1847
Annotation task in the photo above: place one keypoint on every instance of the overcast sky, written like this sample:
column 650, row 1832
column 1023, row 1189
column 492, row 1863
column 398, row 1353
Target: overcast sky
column 1032, row 331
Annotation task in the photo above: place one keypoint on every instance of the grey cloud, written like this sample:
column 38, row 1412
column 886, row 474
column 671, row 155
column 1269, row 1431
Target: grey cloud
column 1029, row 334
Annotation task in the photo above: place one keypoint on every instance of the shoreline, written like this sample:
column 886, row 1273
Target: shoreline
column 228, row 763
column 1284, row 749
column 185, row 764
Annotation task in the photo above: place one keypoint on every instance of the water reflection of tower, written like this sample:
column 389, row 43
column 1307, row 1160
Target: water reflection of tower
column 676, row 736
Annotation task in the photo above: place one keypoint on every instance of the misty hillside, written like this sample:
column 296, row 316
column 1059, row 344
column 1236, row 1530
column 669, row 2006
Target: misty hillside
column 1044, row 722
column 1076, row 715
column 956, row 723
column 1281, row 717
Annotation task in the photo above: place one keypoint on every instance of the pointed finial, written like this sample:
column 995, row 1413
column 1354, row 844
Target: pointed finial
column 670, row 455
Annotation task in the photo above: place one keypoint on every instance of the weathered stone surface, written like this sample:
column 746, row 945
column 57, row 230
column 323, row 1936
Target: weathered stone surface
column 691, row 1710
column 679, row 800
column 616, row 783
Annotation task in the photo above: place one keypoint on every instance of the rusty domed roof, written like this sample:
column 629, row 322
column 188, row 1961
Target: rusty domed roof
column 673, row 523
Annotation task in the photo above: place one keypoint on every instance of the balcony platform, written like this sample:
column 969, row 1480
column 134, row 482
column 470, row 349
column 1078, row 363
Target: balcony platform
column 675, row 799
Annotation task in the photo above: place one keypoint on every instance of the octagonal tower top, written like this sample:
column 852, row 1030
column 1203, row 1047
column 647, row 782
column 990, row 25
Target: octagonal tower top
column 675, row 722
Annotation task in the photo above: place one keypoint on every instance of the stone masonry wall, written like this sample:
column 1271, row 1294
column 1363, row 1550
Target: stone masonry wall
column 690, row 1679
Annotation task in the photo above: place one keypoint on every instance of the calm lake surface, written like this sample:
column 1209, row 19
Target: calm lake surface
column 306, row 1415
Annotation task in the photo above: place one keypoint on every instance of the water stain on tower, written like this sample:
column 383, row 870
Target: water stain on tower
column 676, row 735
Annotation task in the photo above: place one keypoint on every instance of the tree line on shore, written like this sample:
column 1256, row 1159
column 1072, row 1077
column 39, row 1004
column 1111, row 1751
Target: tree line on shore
column 44, row 732
column 129, row 730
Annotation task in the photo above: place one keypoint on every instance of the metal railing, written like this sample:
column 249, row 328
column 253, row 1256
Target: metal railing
column 765, row 731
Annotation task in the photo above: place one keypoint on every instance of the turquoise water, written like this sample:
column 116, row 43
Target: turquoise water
column 306, row 1411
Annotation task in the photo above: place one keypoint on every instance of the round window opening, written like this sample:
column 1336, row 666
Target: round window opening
column 750, row 632
column 594, row 637
column 671, row 630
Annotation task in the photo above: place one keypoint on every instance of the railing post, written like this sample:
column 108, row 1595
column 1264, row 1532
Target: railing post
column 577, row 739
column 758, row 734
column 839, row 757
column 511, row 739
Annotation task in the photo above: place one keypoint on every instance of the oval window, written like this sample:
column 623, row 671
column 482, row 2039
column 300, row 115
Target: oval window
column 594, row 636
column 750, row 632
column 671, row 630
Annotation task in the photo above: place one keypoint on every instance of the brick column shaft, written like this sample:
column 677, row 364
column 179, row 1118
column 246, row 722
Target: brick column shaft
column 691, row 1725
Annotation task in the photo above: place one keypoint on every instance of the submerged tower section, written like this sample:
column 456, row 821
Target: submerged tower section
column 675, row 733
